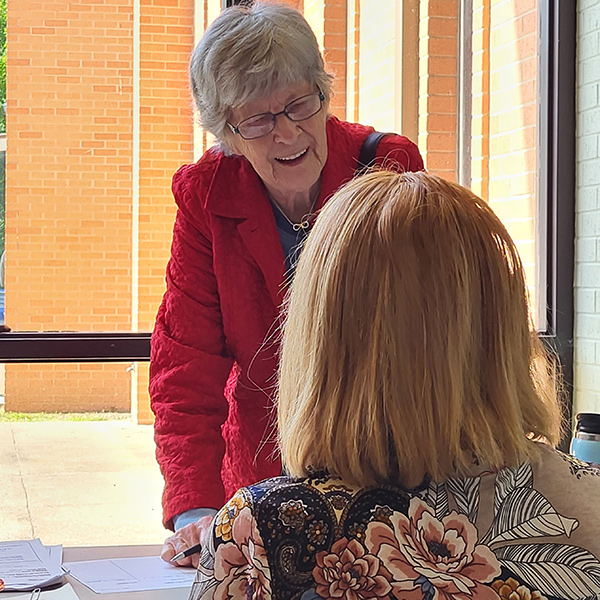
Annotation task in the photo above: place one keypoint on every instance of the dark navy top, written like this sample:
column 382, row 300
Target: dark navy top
column 291, row 241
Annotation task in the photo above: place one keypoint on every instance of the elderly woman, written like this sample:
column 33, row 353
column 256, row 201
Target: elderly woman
column 244, row 208
column 416, row 416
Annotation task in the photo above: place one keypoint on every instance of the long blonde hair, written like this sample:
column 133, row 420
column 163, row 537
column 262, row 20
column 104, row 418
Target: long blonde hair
column 408, row 348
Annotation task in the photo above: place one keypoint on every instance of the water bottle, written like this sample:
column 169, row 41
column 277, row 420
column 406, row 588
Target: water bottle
column 586, row 441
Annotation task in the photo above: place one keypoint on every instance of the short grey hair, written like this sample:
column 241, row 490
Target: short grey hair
column 251, row 51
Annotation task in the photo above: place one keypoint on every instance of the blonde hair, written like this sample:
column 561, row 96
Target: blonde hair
column 408, row 349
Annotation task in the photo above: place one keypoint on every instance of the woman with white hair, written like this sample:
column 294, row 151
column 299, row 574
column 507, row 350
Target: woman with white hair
column 244, row 209
column 417, row 414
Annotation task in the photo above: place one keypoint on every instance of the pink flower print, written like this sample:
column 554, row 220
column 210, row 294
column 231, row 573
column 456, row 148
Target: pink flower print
column 349, row 573
column 241, row 566
column 431, row 558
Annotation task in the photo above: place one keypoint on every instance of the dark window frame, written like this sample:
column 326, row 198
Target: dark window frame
column 558, row 27
column 73, row 347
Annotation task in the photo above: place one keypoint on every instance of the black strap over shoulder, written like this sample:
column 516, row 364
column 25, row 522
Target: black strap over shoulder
column 368, row 152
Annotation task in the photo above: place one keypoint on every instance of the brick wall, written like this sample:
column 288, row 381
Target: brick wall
column 68, row 189
column 166, row 141
column 99, row 118
column 513, row 125
column 438, row 86
column 166, row 137
column 68, row 388
column 328, row 20
column 587, row 249
column 68, row 196
column 504, row 125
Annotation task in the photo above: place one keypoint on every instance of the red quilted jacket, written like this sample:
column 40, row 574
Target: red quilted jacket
column 215, row 343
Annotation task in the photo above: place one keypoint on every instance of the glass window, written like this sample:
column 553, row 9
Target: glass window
column 99, row 118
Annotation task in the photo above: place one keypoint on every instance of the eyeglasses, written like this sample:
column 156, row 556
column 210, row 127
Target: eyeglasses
column 260, row 125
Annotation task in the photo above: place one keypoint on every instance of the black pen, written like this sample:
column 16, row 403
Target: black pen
column 191, row 550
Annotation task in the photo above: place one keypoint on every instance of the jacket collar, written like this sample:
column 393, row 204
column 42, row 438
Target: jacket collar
column 236, row 190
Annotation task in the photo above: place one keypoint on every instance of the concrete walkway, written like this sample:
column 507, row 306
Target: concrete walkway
column 80, row 483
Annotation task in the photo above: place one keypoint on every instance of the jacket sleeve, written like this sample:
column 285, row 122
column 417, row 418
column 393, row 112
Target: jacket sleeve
column 189, row 366
column 398, row 153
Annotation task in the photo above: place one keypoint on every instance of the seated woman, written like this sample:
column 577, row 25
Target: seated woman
column 417, row 416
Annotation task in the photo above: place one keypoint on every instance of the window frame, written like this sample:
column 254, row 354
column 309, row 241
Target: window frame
column 70, row 347
column 557, row 179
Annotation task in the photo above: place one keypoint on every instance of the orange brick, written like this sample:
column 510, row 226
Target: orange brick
column 43, row 31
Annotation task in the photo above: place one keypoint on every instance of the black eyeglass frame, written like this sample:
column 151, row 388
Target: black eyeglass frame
column 235, row 128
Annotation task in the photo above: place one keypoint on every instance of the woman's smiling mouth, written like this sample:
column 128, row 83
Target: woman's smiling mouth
column 293, row 159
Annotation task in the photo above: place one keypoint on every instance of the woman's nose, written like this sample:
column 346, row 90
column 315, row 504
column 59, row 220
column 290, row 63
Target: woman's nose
column 285, row 129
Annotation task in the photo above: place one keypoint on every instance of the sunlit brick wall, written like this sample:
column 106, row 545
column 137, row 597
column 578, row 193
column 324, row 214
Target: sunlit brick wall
column 90, row 161
column 587, row 248
column 166, row 137
column 438, row 86
column 68, row 197
column 328, row 20
column 334, row 44
column 505, row 104
column 68, row 187
column 68, row 388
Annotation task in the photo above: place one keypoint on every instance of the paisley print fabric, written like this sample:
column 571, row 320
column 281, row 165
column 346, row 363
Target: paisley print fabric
column 525, row 533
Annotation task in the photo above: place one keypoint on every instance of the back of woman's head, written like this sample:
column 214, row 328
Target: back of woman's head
column 408, row 349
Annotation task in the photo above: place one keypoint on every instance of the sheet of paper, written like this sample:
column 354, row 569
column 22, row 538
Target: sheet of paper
column 55, row 553
column 65, row 592
column 27, row 564
column 130, row 574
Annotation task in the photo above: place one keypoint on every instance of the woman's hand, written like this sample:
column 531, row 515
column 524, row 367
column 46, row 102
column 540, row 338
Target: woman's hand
column 183, row 538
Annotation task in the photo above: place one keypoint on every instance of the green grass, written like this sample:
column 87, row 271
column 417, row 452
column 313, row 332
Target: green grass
column 19, row 417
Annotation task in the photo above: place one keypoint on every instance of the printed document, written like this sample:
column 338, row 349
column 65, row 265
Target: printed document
column 27, row 564
column 112, row 575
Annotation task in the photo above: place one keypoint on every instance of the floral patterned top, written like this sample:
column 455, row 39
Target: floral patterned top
column 525, row 533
